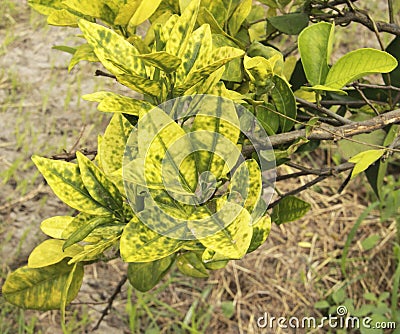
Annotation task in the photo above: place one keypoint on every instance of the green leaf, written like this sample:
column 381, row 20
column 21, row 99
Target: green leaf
column 83, row 52
column 394, row 49
column 51, row 252
column 285, row 103
column 322, row 304
column 228, row 309
column 64, row 48
column 162, row 60
column 144, row 276
column 315, row 46
column 182, row 30
column 72, row 280
column 190, row 264
column 238, row 16
column 364, row 159
column 41, row 288
column 268, row 118
column 261, row 229
column 232, row 241
column 290, row 208
column 112, row 49
column 135, row 12
column 82, row 232
column 370, row 242
column 111, row 102
column 141, row 244
column 357, row 64
column 290, row 24
column 99, row 187
column 65, row 180
column 55, row 226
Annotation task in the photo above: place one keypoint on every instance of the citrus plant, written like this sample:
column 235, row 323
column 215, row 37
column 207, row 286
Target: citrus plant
column 184, row 172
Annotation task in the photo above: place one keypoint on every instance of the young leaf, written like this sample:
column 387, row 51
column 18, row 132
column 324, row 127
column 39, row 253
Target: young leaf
column 93, row 252
column 191, row 265
column 111, row 102
column 285, row 103
column 315, row 46
column 41, row 288
column 65, row 180
column 290, row 24
column 141, row 244
column 55, row 226
column 51, row 252
column 238, row 16
column 143, row 276
column 115, row 53
column 290, row 208
column 99, row 187
column 364, row 159
column 357, row 64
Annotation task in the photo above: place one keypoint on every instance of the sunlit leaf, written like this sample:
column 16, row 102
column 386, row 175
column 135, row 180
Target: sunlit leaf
column 162, row 60
column 364, row 159
column 94, row 251
column 238, row 16
column 84, row 52
column 55, row 226
column 261, row 229
column 290, row 208
column 135, row 12
column 41, row 288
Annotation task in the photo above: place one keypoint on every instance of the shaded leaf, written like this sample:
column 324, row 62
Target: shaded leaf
column 144, row 276
column 290, row 208
column 190, row 264
column 162, row 60
column 285, row 103
column 83, row 52
column 94, row 252
column 290, row 24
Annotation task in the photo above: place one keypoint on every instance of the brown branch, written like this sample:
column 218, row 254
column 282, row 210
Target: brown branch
column 334, row 133
column 356, row 16
column 69, row 156
column 110, row 301
column 100, row 73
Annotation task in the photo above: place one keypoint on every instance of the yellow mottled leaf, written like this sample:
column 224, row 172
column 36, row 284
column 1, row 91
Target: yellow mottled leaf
column 55, row 226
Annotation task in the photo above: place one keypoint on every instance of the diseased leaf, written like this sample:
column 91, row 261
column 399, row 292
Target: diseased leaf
column 41, row 288
column 64, row 179
column 99, row 187
column 182, row 30
column 101, row 9
column 357, row 64
column 145, row 275
column 84, row 52
column 51, row 252
column 285, row 103
column 140, row 243
column 238, row 16
column 115, row 53
column 162, row 60
column 94, row 252
column 290, row 208
column 55, row 226
column 315, row 46
column 111, row 102
column 142, row 85
column 364, row 159
column 190, row 264
column 261, row 229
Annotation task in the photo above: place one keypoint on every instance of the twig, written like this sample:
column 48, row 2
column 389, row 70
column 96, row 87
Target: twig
column 100, row 73
column 356, row 16
column 326, row 111
column 322, row 175
column 334, row 133
column 110, row 301
column 69, row 156
column 366, row 99
column 386, row 87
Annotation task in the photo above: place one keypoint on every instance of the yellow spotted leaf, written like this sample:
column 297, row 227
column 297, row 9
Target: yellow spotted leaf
column 55, row 226
column 84, row 52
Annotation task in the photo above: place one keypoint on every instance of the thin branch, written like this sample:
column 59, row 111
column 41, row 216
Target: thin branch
column 110, row 301
column 69, row 156
column 386, row 87
column 334, row 133
column 326, row 111
column 356, row 16
column 322, row 175
column 366, row 99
